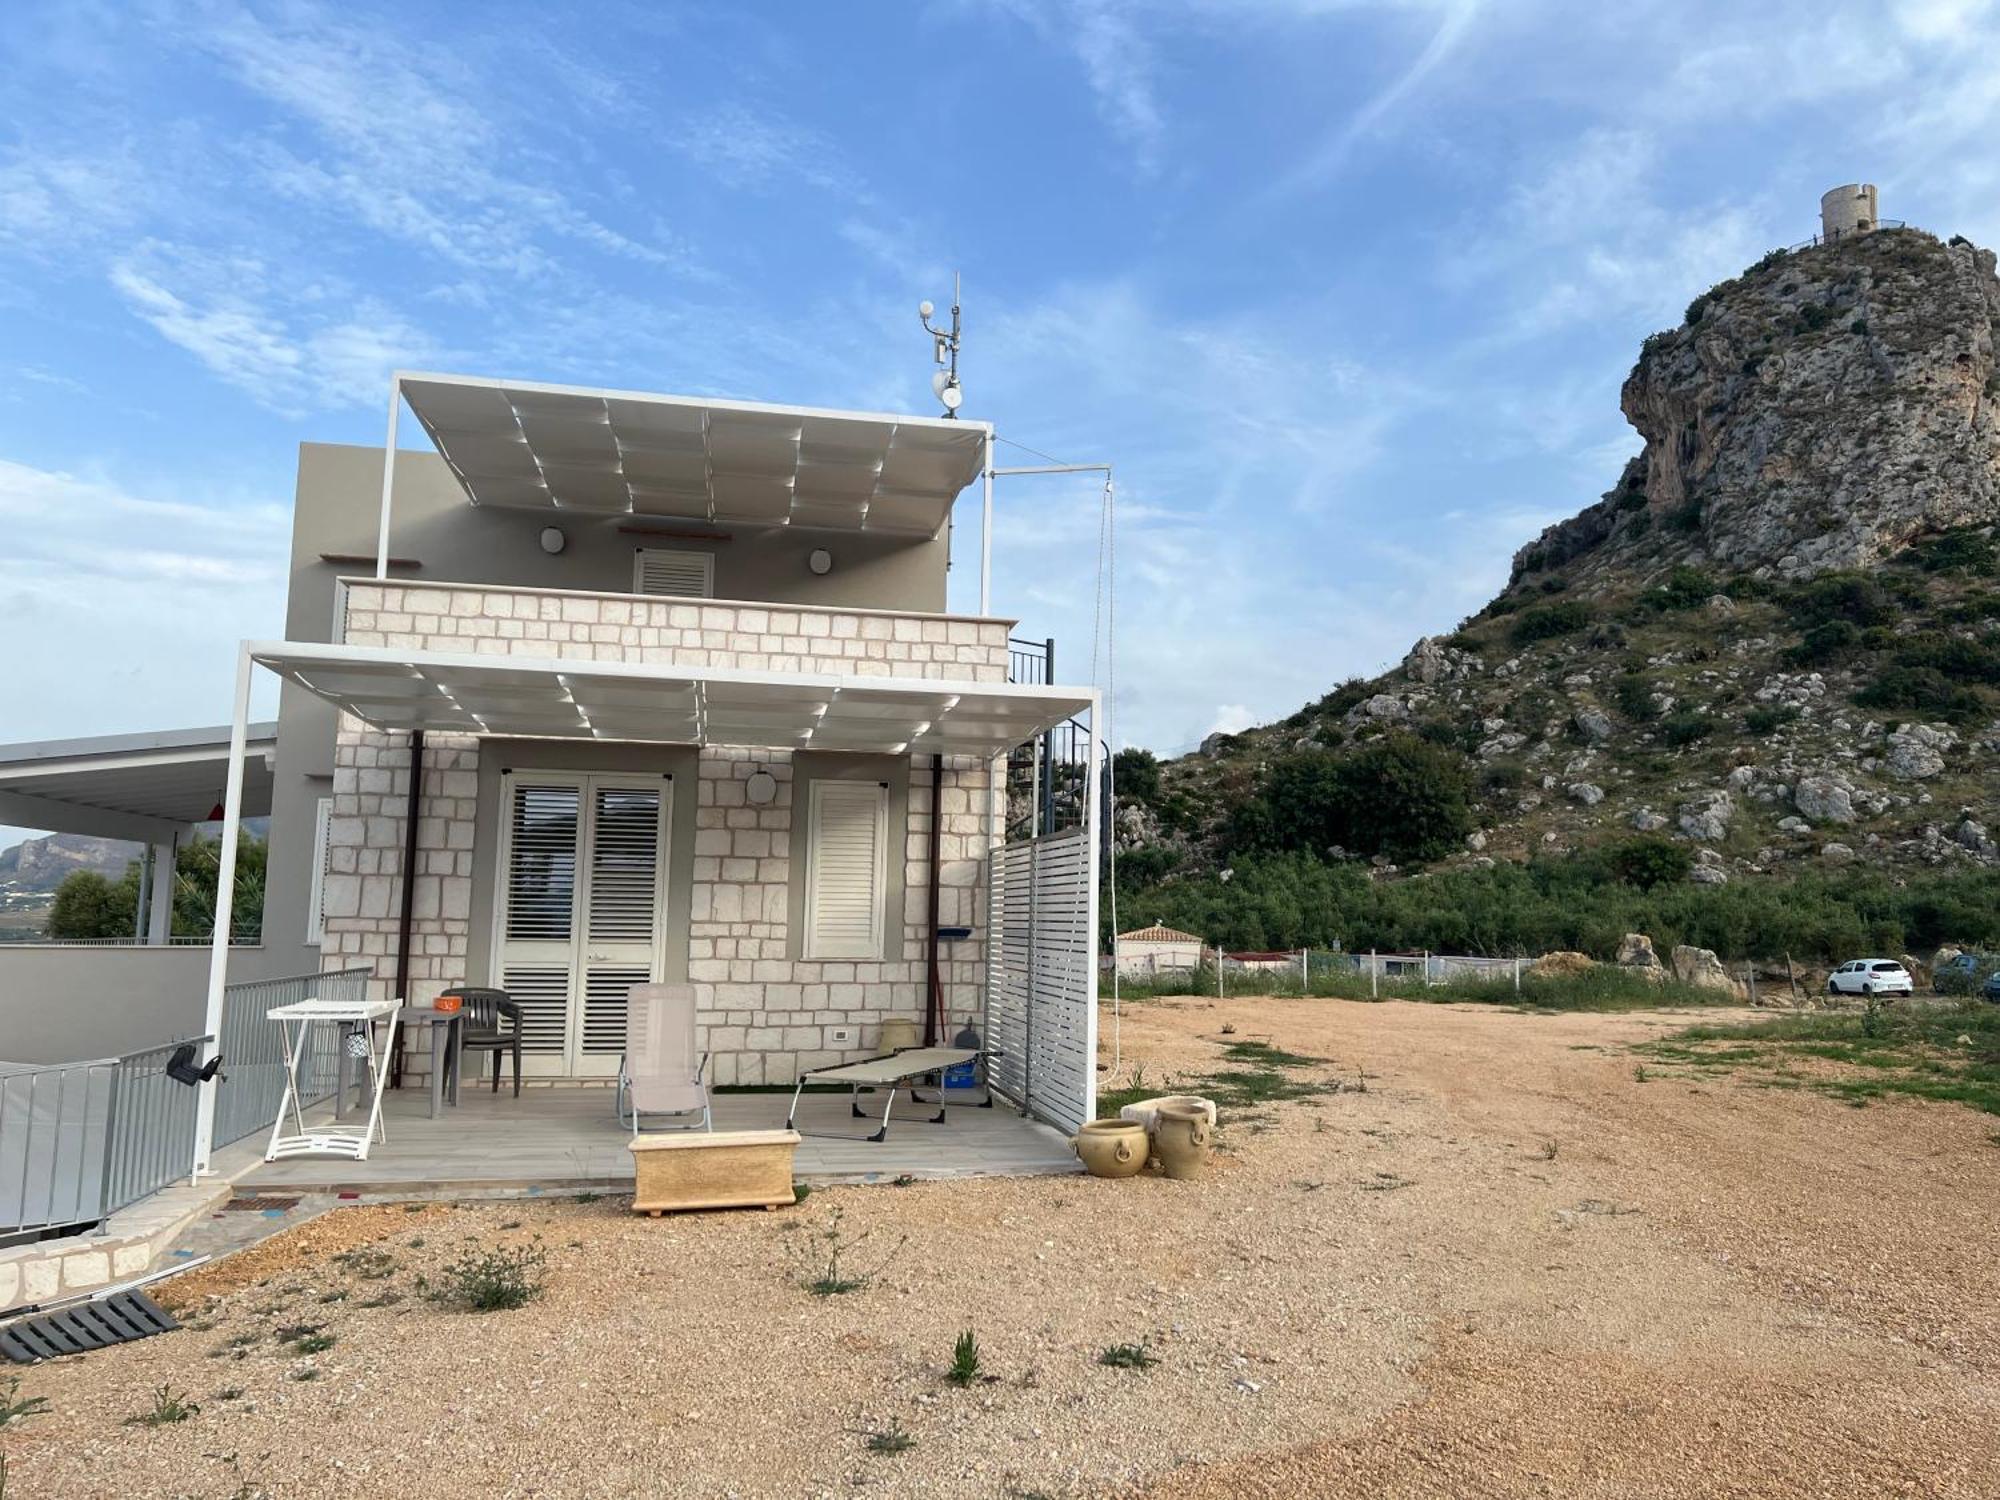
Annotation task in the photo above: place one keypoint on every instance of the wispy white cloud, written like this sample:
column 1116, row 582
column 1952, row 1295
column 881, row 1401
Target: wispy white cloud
column 132, row 602
column 1454, row 19
column 291, row 359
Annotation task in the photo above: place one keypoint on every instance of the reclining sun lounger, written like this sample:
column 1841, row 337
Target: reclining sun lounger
column 899, row 1070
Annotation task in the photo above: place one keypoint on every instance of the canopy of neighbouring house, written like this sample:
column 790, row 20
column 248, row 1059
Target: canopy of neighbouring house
column 570, row 448
column 562, row 698
column 148, row 787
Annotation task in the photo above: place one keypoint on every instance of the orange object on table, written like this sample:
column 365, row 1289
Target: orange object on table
column 447, row 1004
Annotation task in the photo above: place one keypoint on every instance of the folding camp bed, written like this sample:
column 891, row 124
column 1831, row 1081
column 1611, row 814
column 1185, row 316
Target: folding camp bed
column 900, row 1070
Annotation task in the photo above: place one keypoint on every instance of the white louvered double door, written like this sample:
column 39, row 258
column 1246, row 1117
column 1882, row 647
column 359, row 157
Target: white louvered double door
column 582, row 911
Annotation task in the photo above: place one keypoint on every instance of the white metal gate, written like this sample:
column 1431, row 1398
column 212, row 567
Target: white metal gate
column 594, row 845
column 1042, row 976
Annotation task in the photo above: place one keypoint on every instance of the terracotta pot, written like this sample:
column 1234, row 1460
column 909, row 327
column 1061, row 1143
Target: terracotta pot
column 1181, row 1140
column 1111, row 1148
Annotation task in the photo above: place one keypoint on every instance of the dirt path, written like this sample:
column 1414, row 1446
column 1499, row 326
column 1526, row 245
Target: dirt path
column 1510, row 1267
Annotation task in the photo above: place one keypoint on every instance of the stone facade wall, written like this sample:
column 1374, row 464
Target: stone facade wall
column 690, row 632
column 763, row 1015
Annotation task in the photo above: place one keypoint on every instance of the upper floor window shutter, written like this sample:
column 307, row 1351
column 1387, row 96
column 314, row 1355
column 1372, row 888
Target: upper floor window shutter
column 316, row 898
column 686, row 575
column 845, row 869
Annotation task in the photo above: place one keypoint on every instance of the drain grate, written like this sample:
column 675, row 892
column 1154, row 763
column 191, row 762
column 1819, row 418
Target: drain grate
column 261, row 1205
column 116, row 1319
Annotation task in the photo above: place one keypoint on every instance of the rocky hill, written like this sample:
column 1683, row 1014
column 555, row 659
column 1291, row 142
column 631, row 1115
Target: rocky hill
column 1774, row 642
column 37, row 866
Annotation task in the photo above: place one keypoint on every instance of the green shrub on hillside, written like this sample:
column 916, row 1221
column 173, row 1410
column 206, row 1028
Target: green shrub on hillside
column 1399, row 796
column 1921, row 690
column 1649, row 860
column 1685, row 727
column 1769, row 718
column 1823, row 644
column 1547, row 621
column 1633, row 694
column 1854, row 597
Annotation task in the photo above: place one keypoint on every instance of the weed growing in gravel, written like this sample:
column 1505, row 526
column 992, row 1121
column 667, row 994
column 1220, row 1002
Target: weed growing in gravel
column 230, row 1393
column 381, row 1299
column 315, row 1343
column 306, row 1372
column 510, row 1224
column 801, row 1191
column 1127, row 1357
column 14, row 1407
column 1386, row 1182
column 495, row 1280
column 169, row 1407
column 890, row 1439
column 1949, row 1053
column 964, row 1359
column 369, row 1263
column 827, row 1269
column 333, row 1296
column 1548, row 1150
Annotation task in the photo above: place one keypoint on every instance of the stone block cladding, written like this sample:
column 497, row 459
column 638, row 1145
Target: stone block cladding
column 763, row 1015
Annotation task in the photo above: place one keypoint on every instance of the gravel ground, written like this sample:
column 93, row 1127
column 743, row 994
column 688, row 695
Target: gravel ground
column 1495, row 1262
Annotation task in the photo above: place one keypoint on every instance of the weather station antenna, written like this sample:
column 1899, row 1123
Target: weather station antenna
column 944, row 346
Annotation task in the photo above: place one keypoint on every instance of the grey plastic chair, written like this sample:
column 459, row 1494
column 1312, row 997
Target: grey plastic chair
column 491, row 1022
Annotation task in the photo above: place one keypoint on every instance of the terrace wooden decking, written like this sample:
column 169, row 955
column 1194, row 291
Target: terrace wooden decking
column 567, row 1138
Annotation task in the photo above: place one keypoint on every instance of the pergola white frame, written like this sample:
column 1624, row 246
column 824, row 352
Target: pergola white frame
column 592, row 393
column 996, row 716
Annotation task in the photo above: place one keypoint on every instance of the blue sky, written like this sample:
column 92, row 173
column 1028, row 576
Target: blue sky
column 1345, row 288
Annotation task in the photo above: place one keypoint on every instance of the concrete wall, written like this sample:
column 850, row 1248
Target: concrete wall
column 66, row 1004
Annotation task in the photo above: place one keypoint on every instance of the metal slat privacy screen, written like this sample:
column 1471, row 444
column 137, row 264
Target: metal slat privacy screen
column 1040, row 955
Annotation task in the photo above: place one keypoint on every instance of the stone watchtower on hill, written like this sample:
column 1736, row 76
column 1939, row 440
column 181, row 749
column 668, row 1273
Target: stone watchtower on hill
column 1847, row 211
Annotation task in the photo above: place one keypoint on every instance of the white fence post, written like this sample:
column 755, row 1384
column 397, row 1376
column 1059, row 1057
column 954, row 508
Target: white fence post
column 1517, row 973
column 1374, row 975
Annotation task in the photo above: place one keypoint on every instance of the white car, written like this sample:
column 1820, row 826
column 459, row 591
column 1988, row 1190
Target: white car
column 1871, row 976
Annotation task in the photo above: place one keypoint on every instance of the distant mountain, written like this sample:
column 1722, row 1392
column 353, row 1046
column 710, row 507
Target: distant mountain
column 38, row 866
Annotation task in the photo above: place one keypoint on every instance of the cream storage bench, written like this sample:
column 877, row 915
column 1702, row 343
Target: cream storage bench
column 712, row 1169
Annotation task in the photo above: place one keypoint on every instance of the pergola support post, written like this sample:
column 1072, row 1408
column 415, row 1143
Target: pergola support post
column 225, row 907
column 388, row 478
column 160, row 917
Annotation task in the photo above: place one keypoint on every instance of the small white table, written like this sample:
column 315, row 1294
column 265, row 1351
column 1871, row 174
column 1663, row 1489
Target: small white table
column 352, row 1018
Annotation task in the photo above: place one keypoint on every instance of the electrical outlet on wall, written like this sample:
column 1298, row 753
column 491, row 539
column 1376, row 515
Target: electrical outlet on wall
column 840, row 1036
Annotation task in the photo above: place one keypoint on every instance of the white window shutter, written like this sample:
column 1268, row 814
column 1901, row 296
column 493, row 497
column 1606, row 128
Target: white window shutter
column 683, row 575
column 845, row 864
column 316, row 898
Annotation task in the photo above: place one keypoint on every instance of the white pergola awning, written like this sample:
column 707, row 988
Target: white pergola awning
column 130, row 786
column 569, row 448
column 559, row 698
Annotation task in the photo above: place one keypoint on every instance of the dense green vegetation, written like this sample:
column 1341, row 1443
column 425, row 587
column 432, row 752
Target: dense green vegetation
column 1586, row 902
column 1399, row 796
column 86, row 905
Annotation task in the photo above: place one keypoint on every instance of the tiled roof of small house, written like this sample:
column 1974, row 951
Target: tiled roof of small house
column 1158, row 934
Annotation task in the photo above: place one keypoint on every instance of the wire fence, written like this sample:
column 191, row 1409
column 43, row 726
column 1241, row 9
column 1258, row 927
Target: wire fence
column 1304, row 971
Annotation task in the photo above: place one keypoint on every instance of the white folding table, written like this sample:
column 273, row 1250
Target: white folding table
column 355, row 1019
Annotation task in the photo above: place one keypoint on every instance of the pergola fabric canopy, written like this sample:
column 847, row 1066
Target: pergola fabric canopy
column 558, row 698
column 614, row 452
column 133, row 786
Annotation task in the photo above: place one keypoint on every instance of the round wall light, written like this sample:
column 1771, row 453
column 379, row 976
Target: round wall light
column 553, row 541
column 760, row 788
column 820, row 561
